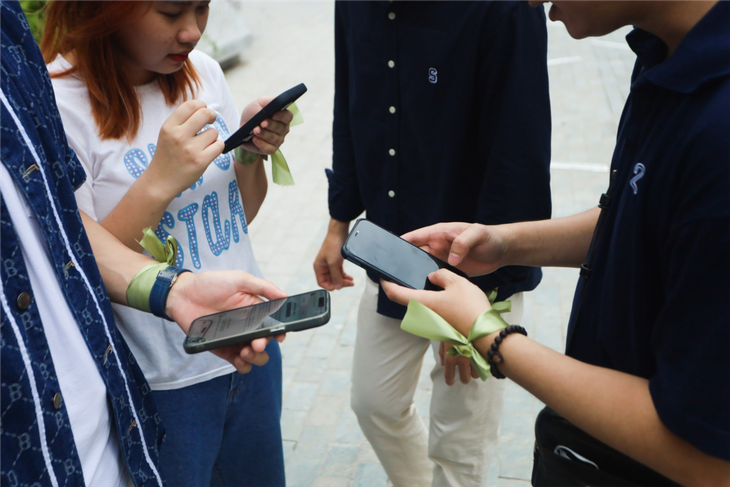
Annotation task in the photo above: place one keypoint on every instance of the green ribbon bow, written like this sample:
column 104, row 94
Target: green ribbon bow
column 426, row 323
column 280, row 172
column 139, row 289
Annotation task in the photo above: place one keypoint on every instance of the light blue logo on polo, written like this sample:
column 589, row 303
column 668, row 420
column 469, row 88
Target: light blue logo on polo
column 433, row 75
column 218, row 231
column 639, row 170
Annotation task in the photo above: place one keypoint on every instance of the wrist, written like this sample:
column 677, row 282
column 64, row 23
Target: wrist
column 508, row 244
column 245, row 157
column 176, row 293
column 495, row 357
column 160, row 292
column 338, row 228
column 150, row 185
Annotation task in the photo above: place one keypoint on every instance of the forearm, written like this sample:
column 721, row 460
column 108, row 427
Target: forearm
column 614, row 407
column 562, row 242
column 117, row 263
column 142, row 206
column 253, row 186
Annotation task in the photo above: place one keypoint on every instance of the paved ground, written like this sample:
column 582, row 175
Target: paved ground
column 292, row 43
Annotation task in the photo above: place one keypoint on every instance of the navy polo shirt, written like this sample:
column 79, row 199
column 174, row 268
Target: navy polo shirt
column 657, row 302
column 442, row 113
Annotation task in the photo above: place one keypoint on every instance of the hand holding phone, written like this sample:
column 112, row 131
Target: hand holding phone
column 245, row 132
column 242, row 325
column 392, row 258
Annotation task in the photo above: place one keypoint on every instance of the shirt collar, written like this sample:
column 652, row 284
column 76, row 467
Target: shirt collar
column 703, row 54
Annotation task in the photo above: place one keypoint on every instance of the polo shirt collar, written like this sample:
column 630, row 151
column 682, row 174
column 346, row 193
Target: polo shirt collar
column 703, row 54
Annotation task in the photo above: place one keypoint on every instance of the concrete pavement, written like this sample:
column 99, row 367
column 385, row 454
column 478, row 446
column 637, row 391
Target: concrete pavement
column 293, row 43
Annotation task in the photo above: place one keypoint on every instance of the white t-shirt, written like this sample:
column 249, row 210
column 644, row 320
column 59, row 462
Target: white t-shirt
column 207, row 219
column 82, row 388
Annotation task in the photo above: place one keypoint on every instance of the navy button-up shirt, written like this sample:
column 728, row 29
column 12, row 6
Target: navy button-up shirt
column 37, row 442
column 442, row 113
column 656, row 303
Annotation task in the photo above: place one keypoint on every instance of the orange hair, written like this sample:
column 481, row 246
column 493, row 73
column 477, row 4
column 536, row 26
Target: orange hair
column 86, row 28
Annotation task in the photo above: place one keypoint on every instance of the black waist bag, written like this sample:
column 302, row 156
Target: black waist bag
column 566, row 456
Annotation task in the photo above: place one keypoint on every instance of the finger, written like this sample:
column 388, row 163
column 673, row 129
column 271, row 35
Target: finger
column 274, row 127
column 208, row 145
column 335, row 275
column 474, row 373
column 245, row 283
column 213, row 150
column 205, row 138
column 323, row 278
column 442, row 350
column 280, row 337
column 259, row 359
column 198, row 120
column 464, row 370
column 422, row 236
column 242, row 366
column 250, row 284
column 283, row 116
column 185, row 111
column 264, row 147
column 472, row 236
column 443, row 278
column 259, row 345
column 449, row 372
column 403, row 295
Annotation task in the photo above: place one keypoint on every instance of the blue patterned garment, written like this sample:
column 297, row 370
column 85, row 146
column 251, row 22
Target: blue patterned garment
column 37, row 443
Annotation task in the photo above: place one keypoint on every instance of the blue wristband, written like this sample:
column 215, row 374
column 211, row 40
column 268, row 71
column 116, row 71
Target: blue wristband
column 161, row 289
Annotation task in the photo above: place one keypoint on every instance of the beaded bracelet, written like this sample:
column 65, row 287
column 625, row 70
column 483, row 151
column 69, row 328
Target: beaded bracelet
column 494, row 350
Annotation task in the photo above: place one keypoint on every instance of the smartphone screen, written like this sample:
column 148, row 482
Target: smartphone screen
column 271, row 315
column 390, row 255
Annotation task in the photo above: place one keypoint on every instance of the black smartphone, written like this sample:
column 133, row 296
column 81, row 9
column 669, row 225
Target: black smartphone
column 376, row 249
column 241, row 325
column 281, row 102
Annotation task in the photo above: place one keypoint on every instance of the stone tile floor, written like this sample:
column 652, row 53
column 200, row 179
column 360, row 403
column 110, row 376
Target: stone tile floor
column 293, row 43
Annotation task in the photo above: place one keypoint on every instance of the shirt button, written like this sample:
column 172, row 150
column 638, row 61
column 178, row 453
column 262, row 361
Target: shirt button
column 392, row 109
column 391, row 152
column 391, row 64
column 391, row 193
column 23, row 301
column 391, row 15
column 57, row 400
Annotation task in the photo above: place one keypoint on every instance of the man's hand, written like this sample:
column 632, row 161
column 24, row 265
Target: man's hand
column 476, row 249
column 328, row 263
column 268, row 136
column 449, row 362
column 195, row 295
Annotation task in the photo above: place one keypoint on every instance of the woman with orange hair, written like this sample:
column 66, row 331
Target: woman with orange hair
column 146, row 113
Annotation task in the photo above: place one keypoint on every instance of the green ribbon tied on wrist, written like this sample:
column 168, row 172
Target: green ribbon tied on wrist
column 280, row 172
column 139, row 289
column 423, row 322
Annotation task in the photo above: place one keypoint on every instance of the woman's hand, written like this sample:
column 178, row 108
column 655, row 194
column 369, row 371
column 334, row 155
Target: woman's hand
column 268, row 136
column 183, row 153
column 460, row 303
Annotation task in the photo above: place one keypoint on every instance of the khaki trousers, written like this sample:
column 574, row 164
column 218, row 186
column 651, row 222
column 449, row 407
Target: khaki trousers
column 464, row 423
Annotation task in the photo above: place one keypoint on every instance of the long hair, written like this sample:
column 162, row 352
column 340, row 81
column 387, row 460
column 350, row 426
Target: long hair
column 86, row 29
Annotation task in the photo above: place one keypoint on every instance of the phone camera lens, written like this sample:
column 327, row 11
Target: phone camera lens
column 321, row 302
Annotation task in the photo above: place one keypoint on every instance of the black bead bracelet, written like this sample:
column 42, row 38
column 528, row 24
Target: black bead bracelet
column 494, row 350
